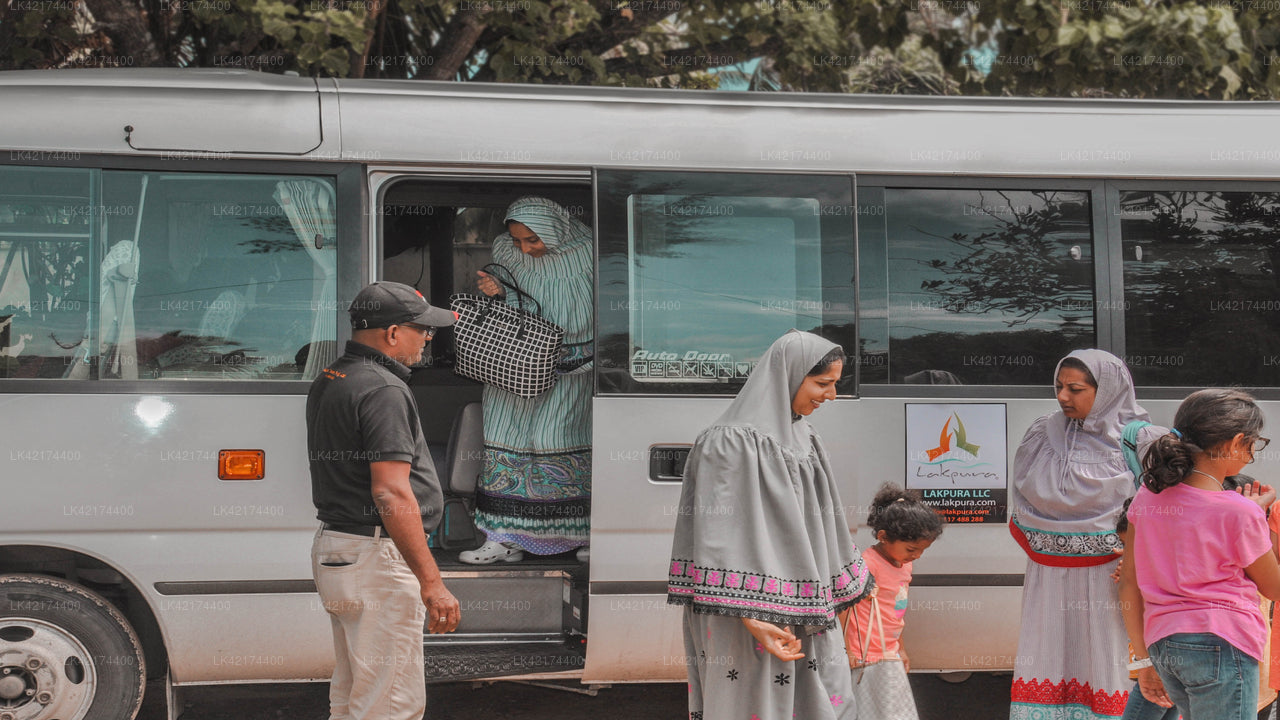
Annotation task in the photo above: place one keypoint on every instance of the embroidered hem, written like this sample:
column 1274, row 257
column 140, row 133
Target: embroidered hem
column 786, row 595
column 756, row 614
column 1028, row 546
column 1037, row 698
column 763, row 597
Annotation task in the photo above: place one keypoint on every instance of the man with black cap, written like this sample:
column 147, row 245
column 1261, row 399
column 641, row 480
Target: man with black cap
column 377, row 498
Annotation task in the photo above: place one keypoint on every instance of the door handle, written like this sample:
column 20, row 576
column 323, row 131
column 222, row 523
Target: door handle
column 666, row 462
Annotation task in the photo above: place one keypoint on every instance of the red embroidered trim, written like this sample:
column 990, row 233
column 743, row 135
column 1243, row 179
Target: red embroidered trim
column 1058, row 560
column 1069, row 692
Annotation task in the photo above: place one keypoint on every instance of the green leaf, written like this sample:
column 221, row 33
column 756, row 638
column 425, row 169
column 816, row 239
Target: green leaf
column 1233, row 82
column 1112, row 28
column 281, row 30
column 1095, row 33
column 336, row 61
column 1070, row 35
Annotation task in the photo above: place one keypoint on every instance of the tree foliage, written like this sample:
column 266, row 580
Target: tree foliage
column 1108, row 48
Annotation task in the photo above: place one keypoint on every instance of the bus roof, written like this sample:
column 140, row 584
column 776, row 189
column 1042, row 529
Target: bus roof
column 233, row 113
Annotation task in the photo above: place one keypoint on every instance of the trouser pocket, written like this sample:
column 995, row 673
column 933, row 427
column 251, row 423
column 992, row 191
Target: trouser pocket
column 1194, row 664
column 336, row 565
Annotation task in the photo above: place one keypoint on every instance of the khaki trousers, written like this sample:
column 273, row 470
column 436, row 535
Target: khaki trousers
column 375, row 606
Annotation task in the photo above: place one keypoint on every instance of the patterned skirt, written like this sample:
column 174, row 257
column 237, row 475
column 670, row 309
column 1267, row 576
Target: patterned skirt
column 541, row 502
column 535, row 483
column 1073, row 650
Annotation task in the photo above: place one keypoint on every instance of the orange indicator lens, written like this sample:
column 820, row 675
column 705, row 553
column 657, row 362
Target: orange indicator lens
column 242, row 464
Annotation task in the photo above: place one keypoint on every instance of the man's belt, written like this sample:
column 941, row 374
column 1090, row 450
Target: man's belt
column 365, row 530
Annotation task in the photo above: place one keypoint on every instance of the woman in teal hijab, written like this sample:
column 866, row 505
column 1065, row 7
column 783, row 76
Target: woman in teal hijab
column 535, row 486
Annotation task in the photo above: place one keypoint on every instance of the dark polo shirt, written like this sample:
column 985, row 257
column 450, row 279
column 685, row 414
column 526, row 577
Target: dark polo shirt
column 360, row 410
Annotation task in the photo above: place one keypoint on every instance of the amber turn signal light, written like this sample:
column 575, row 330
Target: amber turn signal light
column 242, row 464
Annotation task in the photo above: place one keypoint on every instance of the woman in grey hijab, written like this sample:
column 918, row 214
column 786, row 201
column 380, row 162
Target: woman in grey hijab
column 762, row 558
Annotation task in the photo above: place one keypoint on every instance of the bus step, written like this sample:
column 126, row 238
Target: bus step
column 455, row 662
column 524, row 600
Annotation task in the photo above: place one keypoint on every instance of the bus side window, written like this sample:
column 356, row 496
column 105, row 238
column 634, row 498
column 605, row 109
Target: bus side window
column 232, row 277
column 700, row 272
column 973, row 286
column 1202, row 291
column 46, row 248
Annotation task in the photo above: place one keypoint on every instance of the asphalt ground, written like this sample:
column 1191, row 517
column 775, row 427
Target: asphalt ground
column 985, row 696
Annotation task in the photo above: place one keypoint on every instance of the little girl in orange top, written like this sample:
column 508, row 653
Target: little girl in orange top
column 904, row 527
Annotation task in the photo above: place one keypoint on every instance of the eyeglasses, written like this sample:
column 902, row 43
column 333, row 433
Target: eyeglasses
column 429, row 331
column 1260, row 444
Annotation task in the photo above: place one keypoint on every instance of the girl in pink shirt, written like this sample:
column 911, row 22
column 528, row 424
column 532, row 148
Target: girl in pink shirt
column 904, row 527
column 1199, row 556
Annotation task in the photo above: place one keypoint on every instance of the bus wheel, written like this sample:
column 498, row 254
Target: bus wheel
column 66, row 653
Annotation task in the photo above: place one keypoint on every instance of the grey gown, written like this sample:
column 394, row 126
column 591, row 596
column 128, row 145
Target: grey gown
column 761, row 534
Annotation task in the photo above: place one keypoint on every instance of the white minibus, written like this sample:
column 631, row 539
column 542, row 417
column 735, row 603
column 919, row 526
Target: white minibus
column 178, row 249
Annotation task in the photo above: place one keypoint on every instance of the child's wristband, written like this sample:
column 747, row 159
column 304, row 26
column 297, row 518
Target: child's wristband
column 1139, row 664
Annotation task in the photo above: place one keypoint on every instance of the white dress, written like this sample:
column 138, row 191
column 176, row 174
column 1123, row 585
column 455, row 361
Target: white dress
column 1070, row 482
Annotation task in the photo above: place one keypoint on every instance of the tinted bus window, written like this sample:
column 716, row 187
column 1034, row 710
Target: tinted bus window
column 973, row 287
column 236, row 274
column 1202, row 305
column 166, row 275
column 701, row 272
column 46, row 238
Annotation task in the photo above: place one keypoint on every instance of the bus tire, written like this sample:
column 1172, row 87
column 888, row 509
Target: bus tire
column 66, row 653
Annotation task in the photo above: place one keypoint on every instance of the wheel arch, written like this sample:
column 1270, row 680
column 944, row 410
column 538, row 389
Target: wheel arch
column 101, row 576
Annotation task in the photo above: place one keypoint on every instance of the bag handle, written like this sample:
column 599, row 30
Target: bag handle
column 1129, row 448
column 878, row 623
column 512, row 285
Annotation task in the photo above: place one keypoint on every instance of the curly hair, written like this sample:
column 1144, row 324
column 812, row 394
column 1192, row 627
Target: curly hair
column 903, row 516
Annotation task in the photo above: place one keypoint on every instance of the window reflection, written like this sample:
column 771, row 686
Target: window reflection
column 748, row 263
column 1202, row 306
column 976, row 287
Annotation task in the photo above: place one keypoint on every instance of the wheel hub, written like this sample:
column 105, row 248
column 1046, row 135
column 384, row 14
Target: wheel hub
column 18, row 684
column 48, row 672
column 12, row 685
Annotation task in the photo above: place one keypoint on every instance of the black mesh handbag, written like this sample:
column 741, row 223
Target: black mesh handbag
column 512, row 348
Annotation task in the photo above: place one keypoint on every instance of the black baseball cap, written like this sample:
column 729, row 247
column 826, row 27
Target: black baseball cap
column 383, row 304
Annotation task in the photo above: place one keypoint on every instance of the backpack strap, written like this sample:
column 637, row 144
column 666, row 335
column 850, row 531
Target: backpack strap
column 1129, row 446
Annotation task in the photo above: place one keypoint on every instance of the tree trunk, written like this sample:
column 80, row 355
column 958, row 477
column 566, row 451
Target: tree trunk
column 456, row 43
column 360, row 62
column 125, row 24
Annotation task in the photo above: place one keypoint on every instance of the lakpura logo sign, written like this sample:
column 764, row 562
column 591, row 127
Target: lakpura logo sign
column 944, row 440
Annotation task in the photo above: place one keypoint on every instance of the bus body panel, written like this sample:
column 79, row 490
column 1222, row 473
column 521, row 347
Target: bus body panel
column 232, row 112
column 148, row 462
column 635, row 638
column 242, row 113
column 143, row 496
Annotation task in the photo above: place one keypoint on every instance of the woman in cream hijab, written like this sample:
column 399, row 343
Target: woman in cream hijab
column 762, row 558
column 1070, row 480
